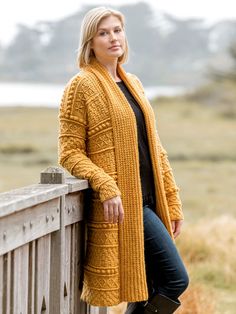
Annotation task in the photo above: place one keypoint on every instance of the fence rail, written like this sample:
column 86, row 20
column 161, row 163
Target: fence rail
column 42, row 245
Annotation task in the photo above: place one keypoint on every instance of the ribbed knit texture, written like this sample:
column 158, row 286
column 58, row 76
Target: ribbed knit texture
column 98, row 142
column 145, row 165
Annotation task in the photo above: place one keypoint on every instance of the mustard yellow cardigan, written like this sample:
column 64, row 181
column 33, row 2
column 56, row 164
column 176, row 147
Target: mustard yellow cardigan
column 98, row 142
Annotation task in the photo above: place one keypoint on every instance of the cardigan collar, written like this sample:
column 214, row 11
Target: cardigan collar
column 101, row 72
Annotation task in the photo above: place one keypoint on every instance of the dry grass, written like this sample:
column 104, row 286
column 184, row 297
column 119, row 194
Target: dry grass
column 220, row 94
column 196, row 300
column 208, row 251
column 207, row 241
column 195, row 132
column 28, row 144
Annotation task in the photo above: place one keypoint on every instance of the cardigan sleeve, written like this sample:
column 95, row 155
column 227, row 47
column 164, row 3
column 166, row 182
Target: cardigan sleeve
column 171, row 189
column 72, row 142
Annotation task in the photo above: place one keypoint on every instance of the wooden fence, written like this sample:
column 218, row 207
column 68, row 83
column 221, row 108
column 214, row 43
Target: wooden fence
column 42, row 245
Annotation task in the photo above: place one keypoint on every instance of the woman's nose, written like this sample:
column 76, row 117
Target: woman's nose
column 113, row 36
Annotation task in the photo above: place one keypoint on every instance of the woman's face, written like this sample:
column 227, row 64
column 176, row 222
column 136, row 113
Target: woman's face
column 109, row 42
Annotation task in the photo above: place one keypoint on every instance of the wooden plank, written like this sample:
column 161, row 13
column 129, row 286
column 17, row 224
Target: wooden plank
column 67, row 270
column 57, row 262
column 74, row 208
column 104, row 310
column 75, row 185
column 42, row 282
column 80, row 238
column 1, row 284
column 97, row 310
column 8, row 277
column 20, row 287
column 10, row 282
column 18, row 199
column 77, row 239
column 55, row 275
column 73, row 273
column 93, row 309
column 62, row 251
column 29, row 224
column 31, row 282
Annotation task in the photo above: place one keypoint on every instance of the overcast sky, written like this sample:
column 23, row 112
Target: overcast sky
column 31, row 11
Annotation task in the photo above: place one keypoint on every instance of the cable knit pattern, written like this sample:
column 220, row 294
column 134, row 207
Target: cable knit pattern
column 173, row 200
column 98, row 142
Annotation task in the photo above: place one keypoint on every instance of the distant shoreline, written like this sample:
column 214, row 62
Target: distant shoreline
column 17, row 94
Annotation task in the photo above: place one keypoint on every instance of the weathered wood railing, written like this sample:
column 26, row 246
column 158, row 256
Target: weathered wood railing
column 42, row 237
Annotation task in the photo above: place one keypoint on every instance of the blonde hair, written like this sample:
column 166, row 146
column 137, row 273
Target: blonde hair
column 89, row 29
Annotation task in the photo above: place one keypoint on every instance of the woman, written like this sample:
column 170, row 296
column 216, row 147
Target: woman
column 108, row 136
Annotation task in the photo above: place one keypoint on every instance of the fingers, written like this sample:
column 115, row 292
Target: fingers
column 176, row 233
column 177, row 227
column 173, row 225
column 113, row 210
column 113, row 213
column 121, row 213
column 106, row 215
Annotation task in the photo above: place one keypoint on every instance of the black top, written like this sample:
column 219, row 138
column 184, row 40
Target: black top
column 146, row 173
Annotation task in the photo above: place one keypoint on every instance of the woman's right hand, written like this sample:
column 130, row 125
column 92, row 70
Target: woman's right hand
column 113, row 210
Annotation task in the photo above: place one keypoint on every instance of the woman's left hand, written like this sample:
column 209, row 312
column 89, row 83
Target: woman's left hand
column 176, row 227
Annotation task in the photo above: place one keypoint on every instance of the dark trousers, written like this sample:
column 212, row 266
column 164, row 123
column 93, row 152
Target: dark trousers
column 166, row 273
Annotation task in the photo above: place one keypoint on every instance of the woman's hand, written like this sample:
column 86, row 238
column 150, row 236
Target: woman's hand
column 113, row 210
column 176, row 227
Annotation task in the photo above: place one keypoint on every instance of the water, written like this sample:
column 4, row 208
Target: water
column 49, row 95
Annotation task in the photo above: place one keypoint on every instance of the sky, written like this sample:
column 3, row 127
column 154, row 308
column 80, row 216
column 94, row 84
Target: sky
column 29, row 12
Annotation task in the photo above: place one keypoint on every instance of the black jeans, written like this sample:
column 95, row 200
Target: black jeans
column 166, row 273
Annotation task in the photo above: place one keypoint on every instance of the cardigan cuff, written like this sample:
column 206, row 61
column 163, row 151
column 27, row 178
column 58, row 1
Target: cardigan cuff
column 108, row 190
column 176, row 213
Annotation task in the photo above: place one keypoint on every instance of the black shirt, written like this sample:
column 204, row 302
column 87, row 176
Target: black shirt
column 146, row 173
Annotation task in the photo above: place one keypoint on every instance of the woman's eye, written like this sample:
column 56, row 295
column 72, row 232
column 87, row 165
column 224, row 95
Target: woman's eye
column 104, row 33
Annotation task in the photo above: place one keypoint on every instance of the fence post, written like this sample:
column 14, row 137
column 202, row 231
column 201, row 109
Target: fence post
column 56, row 175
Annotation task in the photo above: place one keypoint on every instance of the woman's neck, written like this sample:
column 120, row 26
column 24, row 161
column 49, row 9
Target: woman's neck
column 111, row 67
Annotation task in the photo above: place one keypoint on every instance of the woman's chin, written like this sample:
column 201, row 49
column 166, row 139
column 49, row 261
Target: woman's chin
column 116, row 55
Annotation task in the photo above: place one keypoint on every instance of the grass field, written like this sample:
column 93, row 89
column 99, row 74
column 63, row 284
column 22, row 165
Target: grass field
column 201, row 145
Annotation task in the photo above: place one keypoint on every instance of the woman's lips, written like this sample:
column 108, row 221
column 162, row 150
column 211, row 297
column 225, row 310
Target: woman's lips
column 114, row 47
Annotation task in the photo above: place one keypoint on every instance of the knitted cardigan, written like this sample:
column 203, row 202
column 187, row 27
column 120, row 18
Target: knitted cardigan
column 98, row 142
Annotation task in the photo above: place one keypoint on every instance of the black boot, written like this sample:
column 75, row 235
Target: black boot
column 161, row 304
column 134, row 308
